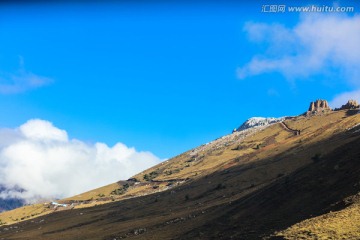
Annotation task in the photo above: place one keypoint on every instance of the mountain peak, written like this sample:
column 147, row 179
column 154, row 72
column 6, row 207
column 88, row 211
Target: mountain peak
column 258, row 121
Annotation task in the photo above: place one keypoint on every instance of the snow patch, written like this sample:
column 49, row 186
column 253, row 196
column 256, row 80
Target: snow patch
column 259, row 121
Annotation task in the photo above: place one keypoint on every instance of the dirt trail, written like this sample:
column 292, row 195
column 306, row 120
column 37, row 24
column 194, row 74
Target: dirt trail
column 286, row 127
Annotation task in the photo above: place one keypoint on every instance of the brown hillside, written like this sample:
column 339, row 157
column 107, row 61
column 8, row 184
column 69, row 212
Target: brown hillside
column 247, row 185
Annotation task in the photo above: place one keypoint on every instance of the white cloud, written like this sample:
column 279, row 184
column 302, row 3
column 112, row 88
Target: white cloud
column 318, row 44
column 21, row 81
column 40, row 159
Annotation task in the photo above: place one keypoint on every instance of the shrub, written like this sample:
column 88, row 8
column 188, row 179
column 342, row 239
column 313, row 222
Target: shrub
column 220, row 186
column 316, row 157
column 280, row 175
column 121, row 190
column 150, row 176
column 187, row 197
column 118, row 191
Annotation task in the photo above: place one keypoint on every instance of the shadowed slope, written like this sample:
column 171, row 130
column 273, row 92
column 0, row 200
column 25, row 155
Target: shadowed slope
column 245, row 187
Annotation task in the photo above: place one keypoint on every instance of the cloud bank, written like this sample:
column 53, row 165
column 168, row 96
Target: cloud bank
column 320, row 44
column 39, row 161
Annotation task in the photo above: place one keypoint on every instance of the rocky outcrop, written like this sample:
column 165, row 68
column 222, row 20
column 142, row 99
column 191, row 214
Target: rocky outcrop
column 319, row 105
column 351, row 104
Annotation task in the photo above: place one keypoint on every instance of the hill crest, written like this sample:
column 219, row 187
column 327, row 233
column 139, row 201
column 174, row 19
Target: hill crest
column 236, row 179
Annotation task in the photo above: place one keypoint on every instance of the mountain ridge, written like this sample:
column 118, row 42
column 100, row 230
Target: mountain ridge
column 228, row 188
column 259, row 121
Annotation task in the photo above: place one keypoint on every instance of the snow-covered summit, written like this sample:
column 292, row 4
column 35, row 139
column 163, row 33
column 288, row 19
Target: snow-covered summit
column 259, row 121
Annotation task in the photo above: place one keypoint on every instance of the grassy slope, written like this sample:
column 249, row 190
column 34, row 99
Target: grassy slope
column 233, row 188
column 343, row 224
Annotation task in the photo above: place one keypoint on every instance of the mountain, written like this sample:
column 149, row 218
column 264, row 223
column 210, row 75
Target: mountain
column 258, row 121
column 8, row 203
column 292, row 179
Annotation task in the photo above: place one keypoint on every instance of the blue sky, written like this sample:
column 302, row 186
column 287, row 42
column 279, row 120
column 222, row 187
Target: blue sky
column 163, row 77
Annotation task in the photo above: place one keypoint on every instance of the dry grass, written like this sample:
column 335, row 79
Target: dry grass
column 23, row 213
column 344, row 224
column 230, row 170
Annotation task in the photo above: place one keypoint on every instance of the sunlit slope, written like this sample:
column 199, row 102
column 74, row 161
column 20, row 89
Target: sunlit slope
column 229, row 180
column 234, row 149
column 343, row 224
column 255, row 144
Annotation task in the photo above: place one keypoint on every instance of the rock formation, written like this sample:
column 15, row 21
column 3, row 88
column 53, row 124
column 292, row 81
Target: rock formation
column 351, row 104
column 318, row 106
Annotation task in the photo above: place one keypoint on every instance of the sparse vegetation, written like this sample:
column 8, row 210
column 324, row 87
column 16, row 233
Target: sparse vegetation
column 343, row 224
column 222, row 181
column 280, row 175
column 316, row 157
column 238, row 148
column 193, row 158
column 187, row 197
column 220, row 186
column 121, row 190
column 237, row 159
column 150, row 176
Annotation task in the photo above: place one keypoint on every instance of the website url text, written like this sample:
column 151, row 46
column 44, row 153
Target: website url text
column 313, row 8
